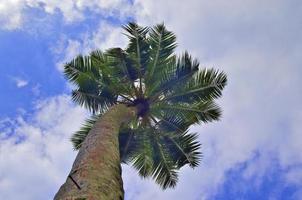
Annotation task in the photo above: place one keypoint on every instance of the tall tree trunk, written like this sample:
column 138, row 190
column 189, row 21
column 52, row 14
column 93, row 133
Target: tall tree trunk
column 96, row 171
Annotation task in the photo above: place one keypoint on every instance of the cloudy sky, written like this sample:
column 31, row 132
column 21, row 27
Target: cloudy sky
column 254, row 152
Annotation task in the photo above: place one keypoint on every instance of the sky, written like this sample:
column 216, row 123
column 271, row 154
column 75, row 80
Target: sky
column 252, row 153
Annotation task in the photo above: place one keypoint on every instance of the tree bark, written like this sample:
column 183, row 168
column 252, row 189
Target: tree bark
column 96, row 171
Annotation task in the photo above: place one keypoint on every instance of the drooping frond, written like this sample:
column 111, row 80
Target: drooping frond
column 142, row 158
column 152, row 159
column 161, row 154
column 183, row 148
column 90, row 98
column 165, row 169
column 173, row 151
column 128, row 143
column 78, row 137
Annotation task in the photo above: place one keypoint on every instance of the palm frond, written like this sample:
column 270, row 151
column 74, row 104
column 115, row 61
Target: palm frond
column 176, row 74
column 99, row 61
column 78, row 137
column 138, row 49
column 172, row 151
column 158, row 153
column 183, row 147
column 206, row 85
column 122, row 64
column 170, row 121
column 79, row 67
column 162, row 44
column 152, row 159
column 94, row 102
column 203, row 111
column 161, row 155
column 165, row 169
column 128, row 143
column 142, row 159
column 124, row 69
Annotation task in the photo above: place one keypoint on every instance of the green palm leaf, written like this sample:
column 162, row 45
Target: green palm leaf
column 81, row 67
column 207, row 84
column 204, row 111
column 183, row 147
column 162, row 44
column 176, row 74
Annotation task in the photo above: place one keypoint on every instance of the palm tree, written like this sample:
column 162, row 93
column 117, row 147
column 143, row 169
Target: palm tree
column 143, row 99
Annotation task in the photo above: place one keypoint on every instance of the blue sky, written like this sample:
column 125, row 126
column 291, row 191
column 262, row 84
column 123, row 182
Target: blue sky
column 254, row 152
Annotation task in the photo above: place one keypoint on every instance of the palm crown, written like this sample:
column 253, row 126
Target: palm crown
column 170, row 93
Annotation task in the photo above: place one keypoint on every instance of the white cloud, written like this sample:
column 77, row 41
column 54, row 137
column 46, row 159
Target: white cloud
column 14, row 13
column 37, row 156
column 73, row 48
column 7, row 19
column 20, row 82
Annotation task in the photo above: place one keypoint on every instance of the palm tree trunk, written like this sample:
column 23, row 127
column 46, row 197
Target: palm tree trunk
column 96, row 171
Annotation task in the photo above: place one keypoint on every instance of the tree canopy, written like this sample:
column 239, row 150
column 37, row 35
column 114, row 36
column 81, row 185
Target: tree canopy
column 170, row 92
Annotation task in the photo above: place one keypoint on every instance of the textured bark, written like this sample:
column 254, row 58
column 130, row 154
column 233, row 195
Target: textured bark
column 96, row 171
